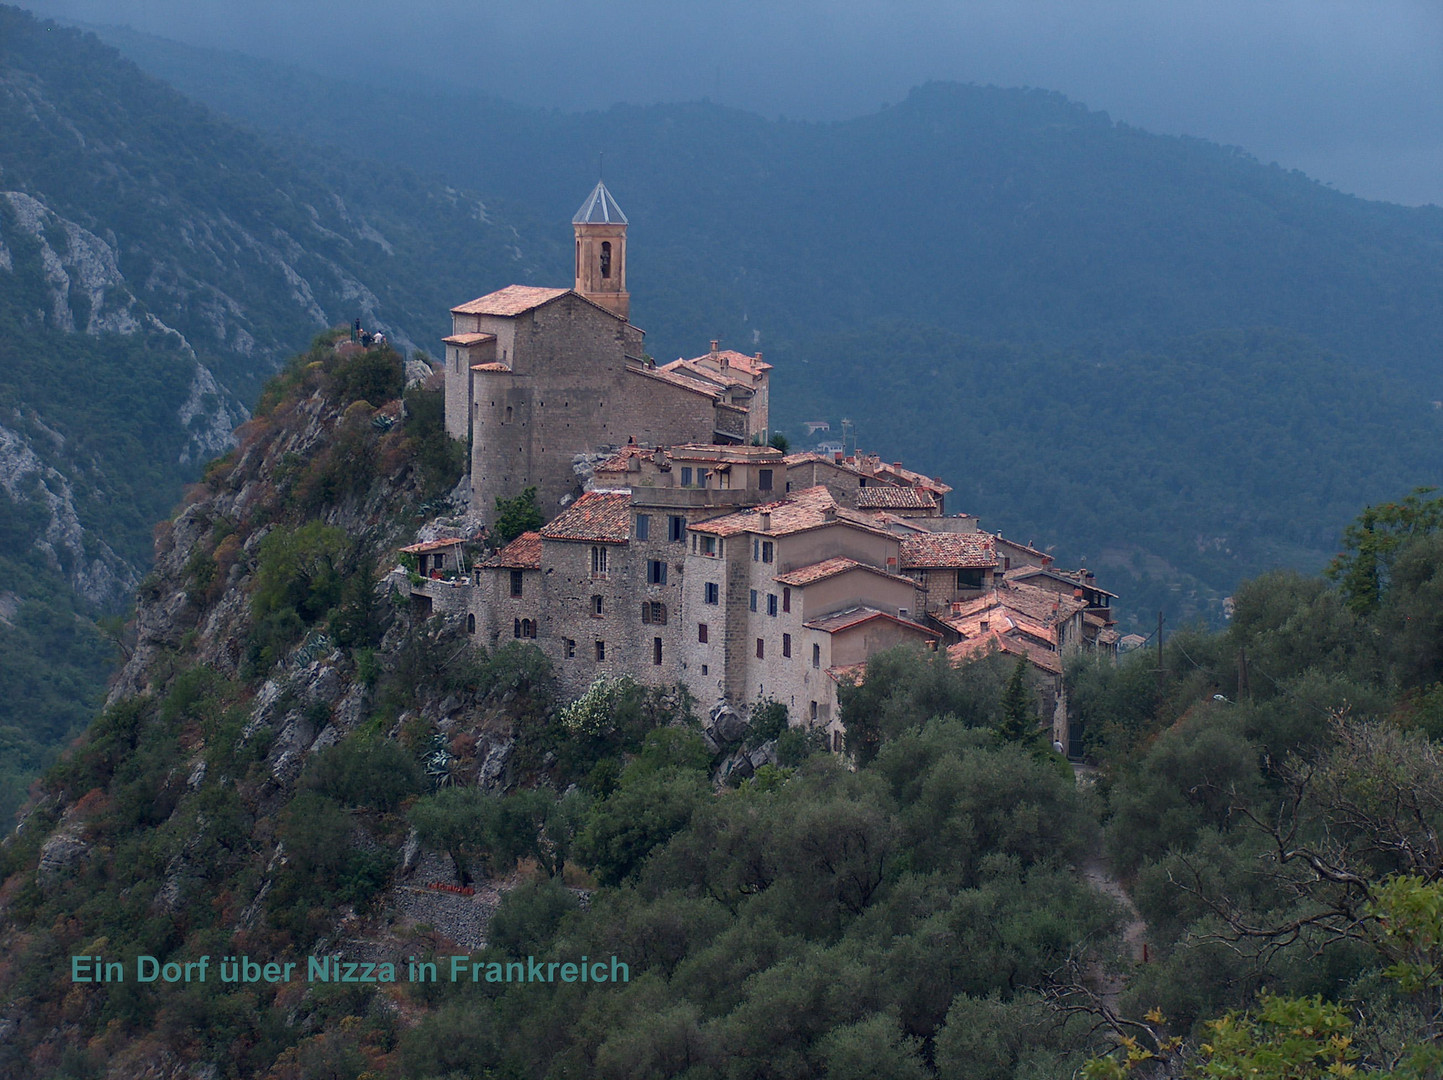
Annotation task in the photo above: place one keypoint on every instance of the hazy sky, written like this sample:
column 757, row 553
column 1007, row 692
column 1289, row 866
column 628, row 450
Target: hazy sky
column 1350, row 91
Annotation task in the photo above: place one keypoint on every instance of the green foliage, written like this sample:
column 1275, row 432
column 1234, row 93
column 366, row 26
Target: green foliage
column 528, row 916
column 1284, row 1039
column 517, row 515
column 298, row 581
column 768, row 721
column 459, row 821
column 440, row 459
column 374, row 376
column 358, row 772
column 905, row 686
column 1019, row 711
column 612, row 717
column 1371, row 542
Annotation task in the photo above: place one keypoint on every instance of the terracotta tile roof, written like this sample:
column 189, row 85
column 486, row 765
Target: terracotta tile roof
column 838, row 621
column 827, row 568
column 849, row 673
column 945, row 550
column 872, row 465
column 752, row 365
column 523, row 553
column 899, row 525
column 512, row 300
column 1024, row 547
column 713, row 452
column 495, row 365
column 1026, row 573
column 1038, row 606
column 618, row 461
column 810, row 508
column 428, row 546
column 468, row 339
column 677, row 378
column 598, row 516
column 994, row 641
column 894, row 498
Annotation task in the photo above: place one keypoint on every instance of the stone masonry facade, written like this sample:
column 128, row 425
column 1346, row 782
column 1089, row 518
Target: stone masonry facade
column 693, row 553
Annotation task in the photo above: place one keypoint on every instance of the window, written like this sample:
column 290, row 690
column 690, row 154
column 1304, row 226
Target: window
column 470, row 624
column 713, row 592
column 787, row 645
column 656, row 651
column 814, row 712
column 676, row 528
column 710, row 547
column 643, row 526
column 768, row 549
column 600, row 651
column 761, row 649
column 517, row 578
column 606, row 258
column 701, row 475
column 701, row 630
column 653, row 611
column 596, row 611
column 528, row 628
column 703, row 669
column 786, row 599
column 571, row 648
column 764, row 479
column 771, row 603
column 508, row 414
column 969, row 578
column 754, row 600
column 598, row 561
column 516, row 628
column 656, row 572
column 816, row 656
column 686, row 476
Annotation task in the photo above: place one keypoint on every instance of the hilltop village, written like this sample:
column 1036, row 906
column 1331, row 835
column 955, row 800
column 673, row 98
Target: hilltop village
column 681, row 548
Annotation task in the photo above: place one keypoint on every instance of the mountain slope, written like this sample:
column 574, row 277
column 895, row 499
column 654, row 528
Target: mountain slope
column 155, row 266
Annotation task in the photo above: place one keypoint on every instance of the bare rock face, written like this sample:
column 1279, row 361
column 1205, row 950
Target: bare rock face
column 64, row 851
column 725, row 725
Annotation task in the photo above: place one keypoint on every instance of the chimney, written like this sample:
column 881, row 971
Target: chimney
column 983, row 625
column 758, row 358
column 765, row 520
column 715, row 345
column 837, row 456
column 1077, row 594
column 829, row 513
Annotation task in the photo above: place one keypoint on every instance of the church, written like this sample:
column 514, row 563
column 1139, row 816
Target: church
column 679, row 547
column 538, row 377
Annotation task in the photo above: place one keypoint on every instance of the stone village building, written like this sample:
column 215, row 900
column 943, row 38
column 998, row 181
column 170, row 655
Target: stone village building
column 694, row 552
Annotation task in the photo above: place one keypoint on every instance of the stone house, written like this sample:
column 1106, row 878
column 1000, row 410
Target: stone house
column 536, row 375
column 949, row 567
column 691, row 555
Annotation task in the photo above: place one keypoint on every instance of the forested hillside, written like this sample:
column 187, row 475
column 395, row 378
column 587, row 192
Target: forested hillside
column 1152, row 352
column 294, row 765
column 156, row 265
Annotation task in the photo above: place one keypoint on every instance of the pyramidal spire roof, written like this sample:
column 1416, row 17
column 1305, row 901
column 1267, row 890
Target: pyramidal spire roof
column 599, row 209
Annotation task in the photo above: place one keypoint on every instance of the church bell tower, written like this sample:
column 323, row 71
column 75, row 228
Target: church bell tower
column 601, row 252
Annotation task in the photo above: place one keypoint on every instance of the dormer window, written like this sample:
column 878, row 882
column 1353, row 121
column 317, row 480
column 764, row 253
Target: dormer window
column 606, row 258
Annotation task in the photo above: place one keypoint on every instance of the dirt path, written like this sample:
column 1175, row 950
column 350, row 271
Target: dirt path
column 1098, row 873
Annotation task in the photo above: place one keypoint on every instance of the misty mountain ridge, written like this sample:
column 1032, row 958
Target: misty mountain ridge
column 990, row 282
column 156, row 264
